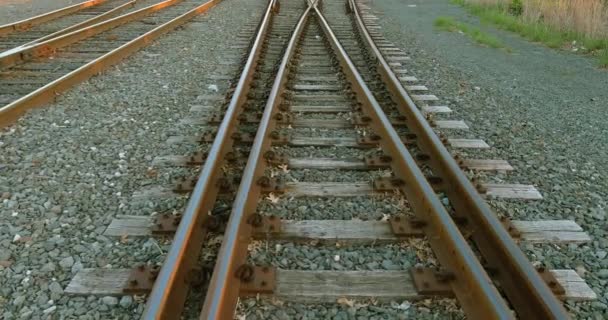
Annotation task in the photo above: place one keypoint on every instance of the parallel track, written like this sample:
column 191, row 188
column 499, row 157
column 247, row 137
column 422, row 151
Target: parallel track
column 26, row 77
column 34, row 75
column 23, row 35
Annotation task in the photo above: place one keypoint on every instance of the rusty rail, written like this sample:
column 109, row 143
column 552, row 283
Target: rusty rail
column 170, row 288
column 474, row 288
column 45, row 94
column 83, row 24
column 471, row 285
column 26, row 24
column 224, row 287
column 521, row 283
column 46, row 48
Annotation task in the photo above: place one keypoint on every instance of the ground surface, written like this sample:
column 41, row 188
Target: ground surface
column 541, row 109
column 14, row 10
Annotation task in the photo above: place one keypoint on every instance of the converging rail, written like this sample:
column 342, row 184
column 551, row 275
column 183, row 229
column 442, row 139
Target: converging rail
column 318, row 93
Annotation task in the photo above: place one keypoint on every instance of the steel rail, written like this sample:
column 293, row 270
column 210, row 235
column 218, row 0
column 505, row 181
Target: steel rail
column 521, row 283
column 470, row 282
column 26, row 24
column 224, row 286
column 170, row 288
column 11, row 112
column 82, row 24
column 46, row 48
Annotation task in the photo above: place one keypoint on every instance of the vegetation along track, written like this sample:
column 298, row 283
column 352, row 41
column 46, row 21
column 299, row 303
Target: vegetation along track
column 320, row 93
column 35, row 73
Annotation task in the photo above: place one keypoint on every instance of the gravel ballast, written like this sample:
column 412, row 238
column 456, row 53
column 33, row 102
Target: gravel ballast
column 67, row 169
column 543, row 110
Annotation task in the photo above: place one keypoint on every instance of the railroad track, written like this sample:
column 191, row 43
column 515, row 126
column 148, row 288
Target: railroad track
column 322, row 92
column 59, row 22
column 34, row 74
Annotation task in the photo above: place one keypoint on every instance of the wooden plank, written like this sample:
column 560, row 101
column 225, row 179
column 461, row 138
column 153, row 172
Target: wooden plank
column 318, row 286
column 304, row 77
column 329, row 286
column 194, row 121
column 352, row 189
column 204, row 108
column 106, row 282
column 329, row 189
column 319, row 97
column 424, row 97
column 220, row 76
column 322, row 123
column 320, row 87
column 326, row 164
column 452, row 124
column 551, row 231
column 322, row 109
column 512, row 191
column 395, row 64
column 296, row 141
column 408, row 79
column 554, row 231
column 171, row 160
column 398, row 58
column 575, row 286
column 416, row 88
column 331, row 231
column 546, row 225
column 302, row 141
column 468, row 143
column 556, row 237
column 154, row 192
column 210, row 97
column 488, row 165
column 436, row 109
column 136, row 226
column 182, row 139
column 362, row 232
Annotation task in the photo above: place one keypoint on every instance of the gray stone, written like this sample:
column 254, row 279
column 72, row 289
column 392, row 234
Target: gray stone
column 126, row 301
column 55, row 287
column 49, row 267
column 66, row 263
column 110, row 301
column 603, row 273
column 18, row 301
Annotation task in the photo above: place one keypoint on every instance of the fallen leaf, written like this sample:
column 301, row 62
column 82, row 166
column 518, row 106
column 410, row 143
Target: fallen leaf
column 151, row 173
column 273, row 198
column 346, row 302
column 284, row 168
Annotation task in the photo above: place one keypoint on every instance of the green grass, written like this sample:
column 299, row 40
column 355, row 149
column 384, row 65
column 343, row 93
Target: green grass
column 536, row 32
column 603, row 57
column 449, row 24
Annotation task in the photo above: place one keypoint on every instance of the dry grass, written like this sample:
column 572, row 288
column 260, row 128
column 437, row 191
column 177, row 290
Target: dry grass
column 578, row 25
column 588, row 17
